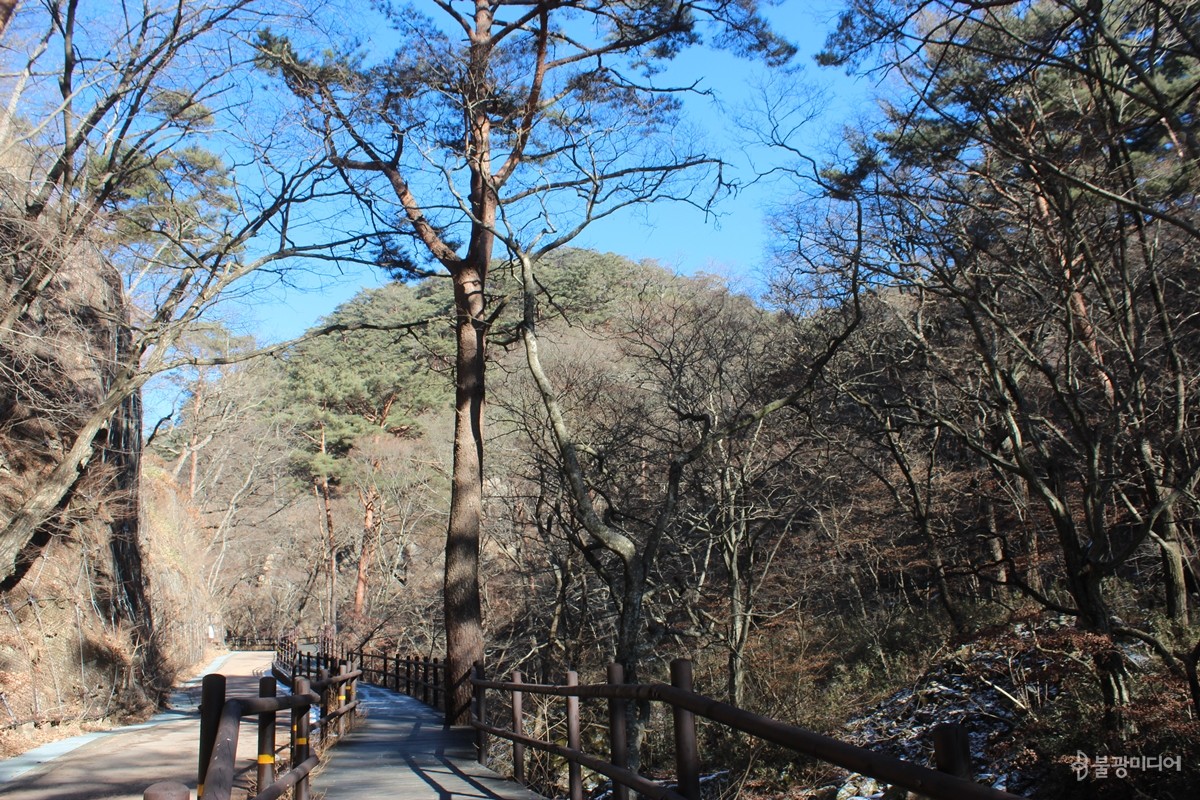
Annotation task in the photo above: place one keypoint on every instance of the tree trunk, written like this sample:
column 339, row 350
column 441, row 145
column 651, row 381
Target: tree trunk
column 463, row 612
column 325, row 516
column 996, row 553
column 737, row 675
column 1026, row 566
column 1085, row 581
column 739, row 623
column 331, row 542
column 19, row 530
column 7, row 7
column 365, row 553
column 1115, row 688
column 553, row 659
column 943, row 589
column 1033, row 571
column 629, row 656
column 1174, row 582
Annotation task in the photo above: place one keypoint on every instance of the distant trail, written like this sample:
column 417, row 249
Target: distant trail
column 120, row 764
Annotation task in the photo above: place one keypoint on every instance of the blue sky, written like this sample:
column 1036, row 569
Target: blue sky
column 730, row 244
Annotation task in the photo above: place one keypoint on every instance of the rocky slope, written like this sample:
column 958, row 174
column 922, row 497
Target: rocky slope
column 1023, row 696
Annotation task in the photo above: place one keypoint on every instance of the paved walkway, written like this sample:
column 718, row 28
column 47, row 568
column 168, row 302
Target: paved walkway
column 401, row 750
column 120, row 764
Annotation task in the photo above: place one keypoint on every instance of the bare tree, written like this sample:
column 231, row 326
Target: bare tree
column 108, row 176
column 1032, row 199
column 626, row 532
column 522, row 124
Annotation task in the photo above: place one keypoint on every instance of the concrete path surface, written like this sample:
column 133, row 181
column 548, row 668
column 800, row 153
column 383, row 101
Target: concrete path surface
column 401, row 750
column 120, row 764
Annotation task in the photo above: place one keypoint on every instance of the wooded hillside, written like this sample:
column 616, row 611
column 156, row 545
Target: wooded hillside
column 811, row 560
column 949, row 449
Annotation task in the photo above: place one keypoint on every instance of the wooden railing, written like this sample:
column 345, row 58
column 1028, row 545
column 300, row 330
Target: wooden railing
column 948, row 782
column 220, row 718
column 333, row 692
column 251, row 642
column 425, row 679
column 416, row 676
column 276, row 643
column 287, row 648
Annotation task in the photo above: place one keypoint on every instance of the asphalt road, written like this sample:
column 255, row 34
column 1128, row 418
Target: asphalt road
column 120, row 764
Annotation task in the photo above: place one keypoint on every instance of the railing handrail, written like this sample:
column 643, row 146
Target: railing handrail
column 931, row 783
column 240, row 642
column 216, row 782
column 419, row 672
column 626, row 777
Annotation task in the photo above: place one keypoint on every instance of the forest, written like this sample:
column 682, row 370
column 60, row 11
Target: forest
column 948, row 443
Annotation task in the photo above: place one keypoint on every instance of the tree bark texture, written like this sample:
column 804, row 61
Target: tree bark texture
column 461, row 596
column 1174, row 581
column 366, row 552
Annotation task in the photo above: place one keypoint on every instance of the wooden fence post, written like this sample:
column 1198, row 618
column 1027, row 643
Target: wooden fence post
column 326, row 703
column 294, row 717
column 300, row 745
column 167, row 790
column 480, row 697
column 575, row 779
column 408, row 671
column 518, row 727
column 952, row 750
column 616, row 729
column 687, row 758
column 266, row 737
column 212, row 701
column 425, row 680
column 342, row 688
column 437, row 684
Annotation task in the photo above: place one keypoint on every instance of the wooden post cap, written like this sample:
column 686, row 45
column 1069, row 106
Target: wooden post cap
column 167, row 790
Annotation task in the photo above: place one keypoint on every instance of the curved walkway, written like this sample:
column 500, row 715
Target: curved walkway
column 402, row 750
column 120, row 764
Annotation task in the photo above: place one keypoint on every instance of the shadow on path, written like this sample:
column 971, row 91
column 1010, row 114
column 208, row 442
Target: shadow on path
column 402, row 749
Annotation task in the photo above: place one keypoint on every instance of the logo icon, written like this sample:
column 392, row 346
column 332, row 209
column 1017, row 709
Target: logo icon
column 1080, row 765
